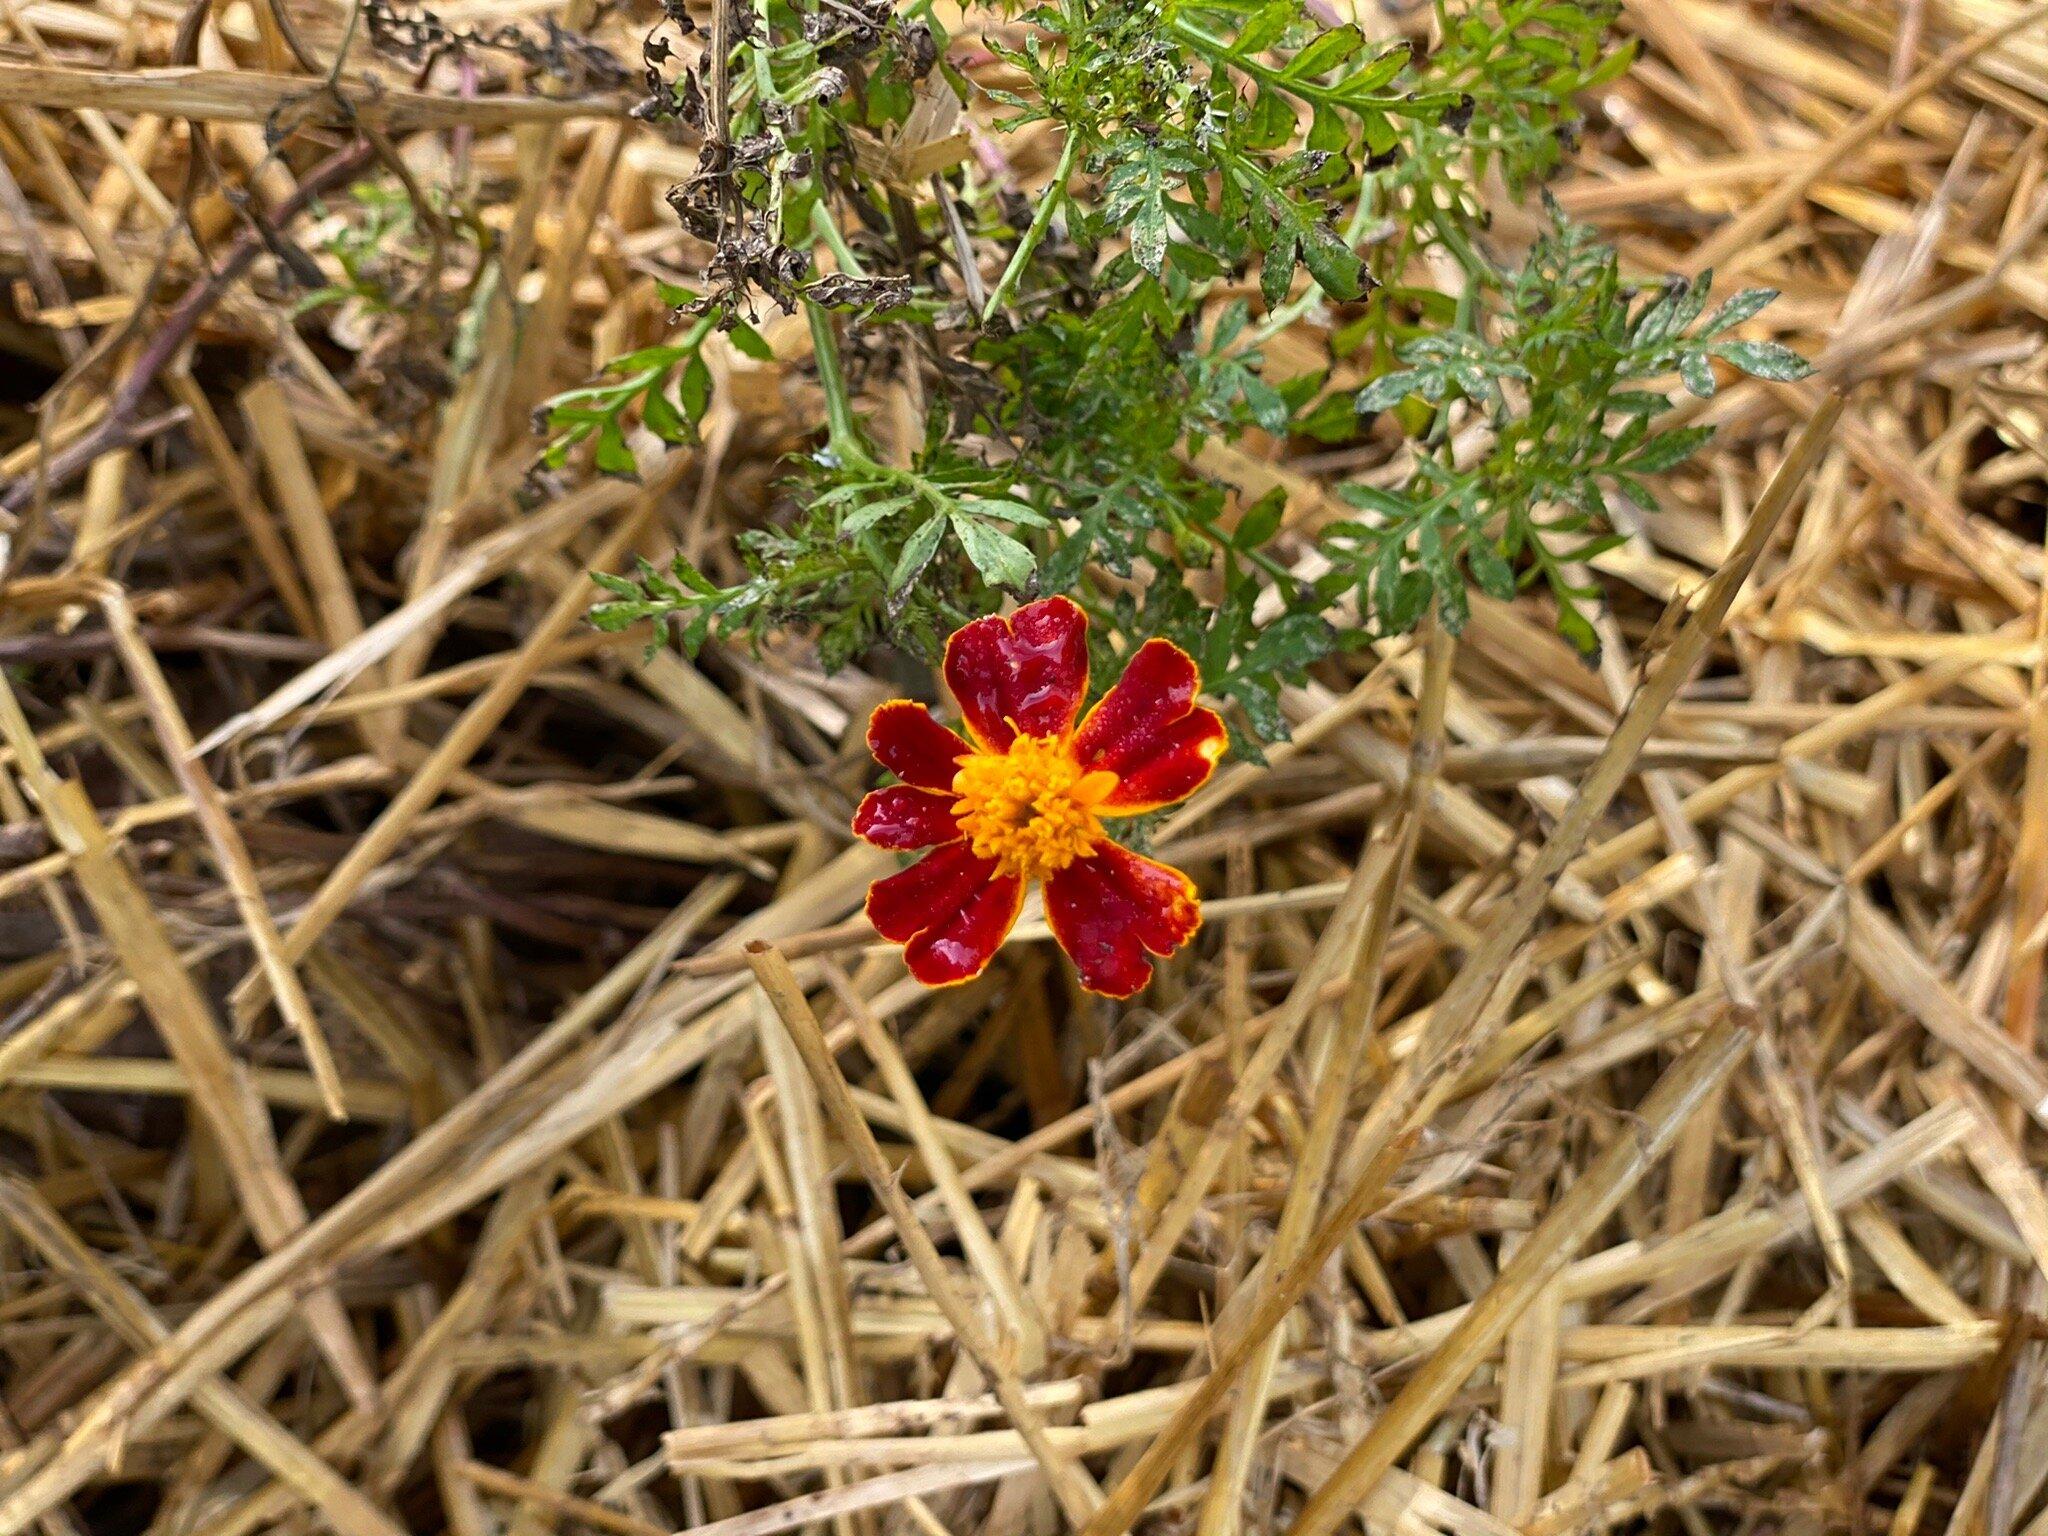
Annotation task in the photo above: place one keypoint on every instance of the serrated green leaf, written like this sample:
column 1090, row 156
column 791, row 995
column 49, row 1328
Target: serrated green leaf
column 1380, row 72
column 1261, row 706
column 1668, row 449
column 1333, row 264
column 1134, row 194
column 839, row 494
column 644, row 364
column 873, row 514
column 917, row 553
column 1393, row 506
column 1271, row 122
column 556, row 454
column 1326, row 52
column 693, row 391
column 1191, row 261
column 613, row 617
column 1663, row 314
column 1402, row 608
column 1577, row 628
column 1061, row 571
column 1327, row 133
column 1453, row 607
column 695, row 633
column 1276, row 275
column 1638, row 402
column 1261, row 520
column 688, row 574
column 749, row 342
column 1495, row 577
column 1268, row 24
column 1611, row 68
column 1332, row 419
column 1764, row 359
column 1267, row 405
column 663, row 419
column 1010, row 511
column 1230, row 324
column 889, row 101
column 1290, row 644
column 1746, row 305
column 1597, row 546
column 1389, row 389
column 611, row 455
column 1002, row 561
column 654, row 583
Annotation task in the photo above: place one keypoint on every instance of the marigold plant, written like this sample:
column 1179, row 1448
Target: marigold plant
column 1192, row 180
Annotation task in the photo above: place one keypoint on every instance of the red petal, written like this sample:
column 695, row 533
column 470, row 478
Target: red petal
column 908, row 742
column 1150, row 733
column 1108, row 909
column 1030, row 668
column 904, row 817
column 960, row 948
column 932, row 890
column 1179, row 759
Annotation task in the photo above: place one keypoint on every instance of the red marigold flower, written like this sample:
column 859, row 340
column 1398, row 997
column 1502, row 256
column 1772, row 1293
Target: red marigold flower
column 1025, row 799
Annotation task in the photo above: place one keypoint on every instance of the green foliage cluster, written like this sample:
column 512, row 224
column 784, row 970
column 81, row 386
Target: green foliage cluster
column 668, row 385
column 1559, row 375
column 382, row 233
column 1207, row 147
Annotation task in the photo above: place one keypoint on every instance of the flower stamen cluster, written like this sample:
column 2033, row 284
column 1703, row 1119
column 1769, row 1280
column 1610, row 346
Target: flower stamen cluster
column 1033, row 808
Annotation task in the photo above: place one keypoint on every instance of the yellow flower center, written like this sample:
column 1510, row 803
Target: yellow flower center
column 1032, row 808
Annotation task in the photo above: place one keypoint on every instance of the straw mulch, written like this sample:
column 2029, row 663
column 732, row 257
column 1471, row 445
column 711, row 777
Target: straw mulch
column 465, row 1098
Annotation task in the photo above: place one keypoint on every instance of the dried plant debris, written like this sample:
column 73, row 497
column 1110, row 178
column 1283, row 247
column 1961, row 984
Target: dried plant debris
column 420, row 38
column 447, row 1079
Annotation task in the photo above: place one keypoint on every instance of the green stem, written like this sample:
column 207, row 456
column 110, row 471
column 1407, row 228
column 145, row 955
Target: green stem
column 826, row 228
column 1468, row 306
column 1041, row 221
column 841, row 430
column 757, row 55
column 1219, row 51
column 1455, row 241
